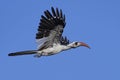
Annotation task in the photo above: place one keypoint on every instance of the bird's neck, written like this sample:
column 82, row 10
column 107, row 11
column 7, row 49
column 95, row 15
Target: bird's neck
column 68, row 46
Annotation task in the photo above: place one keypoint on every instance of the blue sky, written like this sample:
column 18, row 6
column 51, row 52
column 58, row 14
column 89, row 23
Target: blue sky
column 96, row 22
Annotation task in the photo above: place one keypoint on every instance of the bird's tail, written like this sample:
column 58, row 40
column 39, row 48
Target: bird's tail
column 23, row 53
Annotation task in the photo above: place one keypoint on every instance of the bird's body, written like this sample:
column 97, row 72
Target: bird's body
column 52, row 50
column 49, row 36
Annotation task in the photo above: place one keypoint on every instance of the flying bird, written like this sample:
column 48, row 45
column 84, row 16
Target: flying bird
column 49, row 36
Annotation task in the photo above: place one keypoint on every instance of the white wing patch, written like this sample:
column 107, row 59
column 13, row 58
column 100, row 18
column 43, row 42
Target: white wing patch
column 41, row 41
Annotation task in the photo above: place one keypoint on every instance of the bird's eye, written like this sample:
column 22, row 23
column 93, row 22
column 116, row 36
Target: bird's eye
column 76, row 43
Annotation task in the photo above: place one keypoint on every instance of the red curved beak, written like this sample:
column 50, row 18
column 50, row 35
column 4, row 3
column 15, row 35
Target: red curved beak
column 84, row 44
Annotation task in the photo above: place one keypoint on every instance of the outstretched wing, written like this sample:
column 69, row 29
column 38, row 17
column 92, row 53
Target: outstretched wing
column 50, row 28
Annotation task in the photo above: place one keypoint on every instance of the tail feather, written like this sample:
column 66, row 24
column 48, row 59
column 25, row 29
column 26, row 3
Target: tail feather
column 23, row 53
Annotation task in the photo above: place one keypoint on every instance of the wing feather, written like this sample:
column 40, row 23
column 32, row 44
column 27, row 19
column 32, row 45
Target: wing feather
column 50, row 28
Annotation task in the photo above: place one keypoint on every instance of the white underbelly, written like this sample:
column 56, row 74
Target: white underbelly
column 51, row 51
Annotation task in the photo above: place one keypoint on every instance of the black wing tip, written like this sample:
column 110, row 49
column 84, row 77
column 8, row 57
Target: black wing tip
column 53, row 18
column 64, row 40
column 52, row 7
column 49, row 21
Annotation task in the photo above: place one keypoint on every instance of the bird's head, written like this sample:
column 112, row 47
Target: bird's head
column 78, row 44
